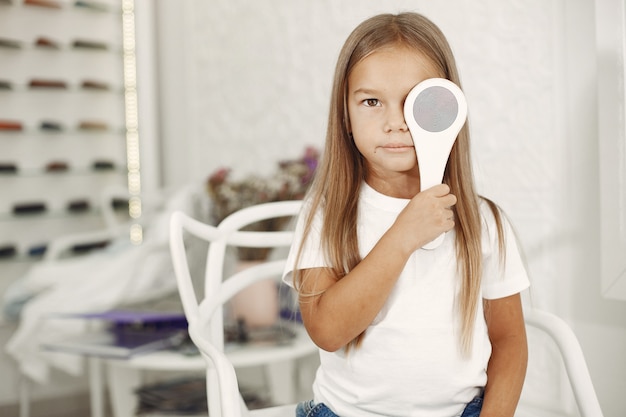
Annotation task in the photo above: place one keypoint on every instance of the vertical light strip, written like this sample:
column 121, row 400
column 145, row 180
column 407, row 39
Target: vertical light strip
column 132, row 118
column 620, row 103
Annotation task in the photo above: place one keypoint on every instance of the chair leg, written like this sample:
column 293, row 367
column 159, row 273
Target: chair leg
column 24, row 396
column 96, row 387
column 122, row 382
column 280, row 377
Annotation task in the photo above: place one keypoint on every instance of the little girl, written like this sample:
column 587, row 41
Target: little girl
column 403, row 331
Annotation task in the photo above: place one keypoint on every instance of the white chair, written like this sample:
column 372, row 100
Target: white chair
column 206, row 317
column 205, row 321
column 547, row 330
column 222, row 372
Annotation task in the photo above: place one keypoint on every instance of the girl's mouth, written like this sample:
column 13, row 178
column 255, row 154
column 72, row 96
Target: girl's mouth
column 397, row 148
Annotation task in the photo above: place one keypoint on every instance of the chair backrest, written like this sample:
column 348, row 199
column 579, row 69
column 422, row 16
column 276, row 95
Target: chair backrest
column 554, row 329
column 233, row 236
column 205, row 317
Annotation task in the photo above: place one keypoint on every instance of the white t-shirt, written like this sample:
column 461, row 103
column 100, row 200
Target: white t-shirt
column 409, row 363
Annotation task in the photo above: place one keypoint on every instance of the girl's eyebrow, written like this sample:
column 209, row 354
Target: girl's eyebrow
column 366, row 91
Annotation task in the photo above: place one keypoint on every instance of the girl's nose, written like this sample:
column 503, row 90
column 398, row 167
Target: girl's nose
column 395, row 120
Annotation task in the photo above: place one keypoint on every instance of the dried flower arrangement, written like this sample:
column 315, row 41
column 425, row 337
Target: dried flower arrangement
column 289, row 182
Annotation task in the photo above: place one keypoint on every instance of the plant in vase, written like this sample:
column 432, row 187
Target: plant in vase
column 258, row 304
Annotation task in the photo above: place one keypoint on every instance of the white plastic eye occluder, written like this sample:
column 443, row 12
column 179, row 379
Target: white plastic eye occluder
column 435, row 111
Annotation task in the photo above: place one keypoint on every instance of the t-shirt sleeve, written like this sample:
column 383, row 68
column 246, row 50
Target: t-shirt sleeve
column 312, row 255
column 502, row 276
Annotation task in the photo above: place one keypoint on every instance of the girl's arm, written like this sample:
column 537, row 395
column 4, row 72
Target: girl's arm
column 338, row 311
column 507, row 367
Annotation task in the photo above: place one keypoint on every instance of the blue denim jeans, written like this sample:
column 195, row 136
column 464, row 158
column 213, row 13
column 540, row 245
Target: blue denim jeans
column 310, row 409
column 472, row 409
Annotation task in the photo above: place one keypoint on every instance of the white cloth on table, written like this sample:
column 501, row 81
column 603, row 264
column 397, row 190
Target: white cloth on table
column 119, row 275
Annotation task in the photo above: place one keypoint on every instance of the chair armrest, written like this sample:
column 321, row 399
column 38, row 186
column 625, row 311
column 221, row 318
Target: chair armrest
column 573, row 358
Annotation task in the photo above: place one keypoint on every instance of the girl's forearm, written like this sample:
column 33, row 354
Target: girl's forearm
column 345, row 308
column 509, row 357
column 506, row 373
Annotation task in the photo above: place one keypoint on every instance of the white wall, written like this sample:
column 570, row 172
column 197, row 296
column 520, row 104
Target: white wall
column 599, row 323
column 250, row 85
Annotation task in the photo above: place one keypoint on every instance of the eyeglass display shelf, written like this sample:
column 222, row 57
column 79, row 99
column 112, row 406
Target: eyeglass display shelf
column 9, row 170
column 62, row 135
column 58, row 86
column 88, row 128
column 87, row 5
column 30, row 210
column 88, row 235
column 44, row 44
column 36, row 252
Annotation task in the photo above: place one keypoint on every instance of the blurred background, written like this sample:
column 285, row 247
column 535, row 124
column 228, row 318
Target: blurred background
column 244, row 85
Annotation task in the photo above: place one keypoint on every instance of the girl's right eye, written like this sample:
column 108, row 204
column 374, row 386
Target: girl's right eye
column 371, row 102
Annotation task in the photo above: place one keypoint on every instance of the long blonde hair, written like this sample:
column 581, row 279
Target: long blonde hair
column 342, row 169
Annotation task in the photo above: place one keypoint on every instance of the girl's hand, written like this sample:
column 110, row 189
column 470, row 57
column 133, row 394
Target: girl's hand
column 427, row 215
